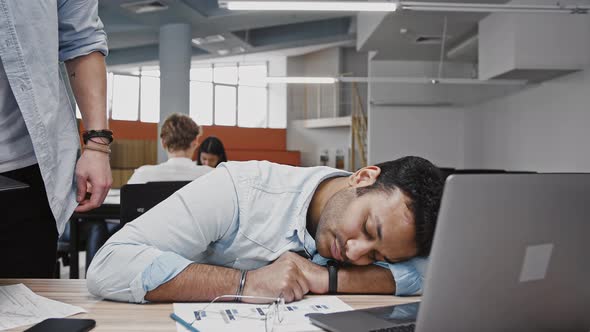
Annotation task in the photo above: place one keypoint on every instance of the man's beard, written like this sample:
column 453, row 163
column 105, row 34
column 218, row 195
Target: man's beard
column 332, row 215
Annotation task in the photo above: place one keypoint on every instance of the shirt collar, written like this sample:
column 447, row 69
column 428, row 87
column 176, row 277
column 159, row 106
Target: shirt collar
column 180, row 161
column 299, row 227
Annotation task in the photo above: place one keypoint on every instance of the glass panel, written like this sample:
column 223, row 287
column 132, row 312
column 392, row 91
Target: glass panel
column 150, row 99
column 277, row 108
column 109, row 94
column 125, row 97
column 254, row 75
column 225, row 105
column 252, row 107
column 201, row 103
column 202, row 74
column 152, row 73
column 225, row 74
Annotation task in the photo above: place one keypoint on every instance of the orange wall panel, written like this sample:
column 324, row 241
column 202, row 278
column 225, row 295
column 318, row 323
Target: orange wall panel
column 248, row 138
column 240, row 143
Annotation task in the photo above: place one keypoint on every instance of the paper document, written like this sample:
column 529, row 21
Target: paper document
column 20, row 306
column 230, row 316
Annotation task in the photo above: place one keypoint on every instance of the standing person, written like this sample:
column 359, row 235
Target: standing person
column 211, row 152
column 39, row 139
column 180, row 138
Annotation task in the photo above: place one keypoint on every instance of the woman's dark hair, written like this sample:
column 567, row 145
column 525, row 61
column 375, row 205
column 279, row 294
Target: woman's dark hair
column 178, row 132
column 214, row 146
column 422, row 182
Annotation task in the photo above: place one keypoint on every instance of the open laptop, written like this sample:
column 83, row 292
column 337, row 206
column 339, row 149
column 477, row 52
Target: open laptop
column 511, row 253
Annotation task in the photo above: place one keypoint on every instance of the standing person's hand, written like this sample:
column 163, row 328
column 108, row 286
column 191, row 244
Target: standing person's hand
column 93, row 174
column 281, row 278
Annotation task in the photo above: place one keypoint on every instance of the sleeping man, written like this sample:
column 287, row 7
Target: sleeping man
column 262, row 229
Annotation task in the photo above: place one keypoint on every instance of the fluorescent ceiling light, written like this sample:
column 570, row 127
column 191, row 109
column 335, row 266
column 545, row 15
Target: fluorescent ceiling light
column 238, row 49
column 355, row 6
column 208, row 39
column 301, row 80
column 429, row 80
column 492, row 8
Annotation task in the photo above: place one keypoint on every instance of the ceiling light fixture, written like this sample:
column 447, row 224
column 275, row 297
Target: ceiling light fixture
column 355, row 6
column 301, row 80
column 491, row 8
column 393, row 5
column 208, row 39
column 429, row 80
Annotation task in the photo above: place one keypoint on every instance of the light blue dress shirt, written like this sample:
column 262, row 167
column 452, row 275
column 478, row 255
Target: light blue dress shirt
column 35, row 35
column 242, row 215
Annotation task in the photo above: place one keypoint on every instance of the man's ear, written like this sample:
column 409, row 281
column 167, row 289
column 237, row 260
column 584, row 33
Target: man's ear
column 163, row 145
column 364, row 177
column 195, row 142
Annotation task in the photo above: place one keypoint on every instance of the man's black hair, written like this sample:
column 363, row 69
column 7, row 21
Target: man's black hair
column 212, row 145
column 422, row 182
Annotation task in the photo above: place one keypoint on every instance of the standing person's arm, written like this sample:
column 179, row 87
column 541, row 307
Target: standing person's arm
column 82, row 46
column 88, row 79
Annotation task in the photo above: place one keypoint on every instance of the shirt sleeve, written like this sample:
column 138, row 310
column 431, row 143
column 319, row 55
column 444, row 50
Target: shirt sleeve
column 162, row 242
column 81, row 31
column 408, row 275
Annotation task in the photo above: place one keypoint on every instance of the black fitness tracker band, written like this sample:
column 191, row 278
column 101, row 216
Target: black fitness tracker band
column 332, row 276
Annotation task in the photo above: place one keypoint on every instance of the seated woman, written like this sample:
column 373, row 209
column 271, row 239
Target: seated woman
column 180, row 135
column 211, row 152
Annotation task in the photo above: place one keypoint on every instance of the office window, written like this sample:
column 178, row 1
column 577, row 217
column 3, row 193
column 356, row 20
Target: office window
column 202, row 74
column 252, row 107
column 225, row 105
column 150, row 99
column 225, row 74
column 253, row 75
column 125, row 98
column 201, row 102
column 230, row 94
column 221, row 94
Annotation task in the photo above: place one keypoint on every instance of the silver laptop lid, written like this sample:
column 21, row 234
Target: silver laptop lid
column 511, row 253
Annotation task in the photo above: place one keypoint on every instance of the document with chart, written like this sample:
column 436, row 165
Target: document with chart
column 231, row 316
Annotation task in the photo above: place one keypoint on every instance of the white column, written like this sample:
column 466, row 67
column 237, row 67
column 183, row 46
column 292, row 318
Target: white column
column 175, row 62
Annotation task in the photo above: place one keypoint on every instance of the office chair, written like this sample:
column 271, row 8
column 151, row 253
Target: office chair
column 136, row 199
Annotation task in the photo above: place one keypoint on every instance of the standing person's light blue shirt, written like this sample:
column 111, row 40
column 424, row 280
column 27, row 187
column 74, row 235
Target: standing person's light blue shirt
column 35, row 36
column 242, row 215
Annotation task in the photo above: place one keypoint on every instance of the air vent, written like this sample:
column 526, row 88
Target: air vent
column 142, row 7
column 428, row 40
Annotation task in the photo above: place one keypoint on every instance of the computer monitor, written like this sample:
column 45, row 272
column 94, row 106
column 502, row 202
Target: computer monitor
column 136, row 199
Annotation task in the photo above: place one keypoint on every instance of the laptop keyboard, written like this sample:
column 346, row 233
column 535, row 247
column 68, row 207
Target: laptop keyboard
column 404, row 328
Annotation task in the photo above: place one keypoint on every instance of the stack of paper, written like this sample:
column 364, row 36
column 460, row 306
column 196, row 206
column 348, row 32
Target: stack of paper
column 20, row 306
column 230, row 316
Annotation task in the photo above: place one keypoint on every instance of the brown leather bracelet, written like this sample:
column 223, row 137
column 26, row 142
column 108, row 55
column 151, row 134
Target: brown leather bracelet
column 106, row 150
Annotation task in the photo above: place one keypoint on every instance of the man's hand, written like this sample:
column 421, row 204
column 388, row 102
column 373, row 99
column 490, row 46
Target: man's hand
column 316, row 275
column 93, row 174
column 283, row 277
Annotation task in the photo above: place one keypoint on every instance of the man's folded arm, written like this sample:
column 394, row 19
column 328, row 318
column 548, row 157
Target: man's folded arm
column 197, row 282
column 165, row 241
column 400, row 279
